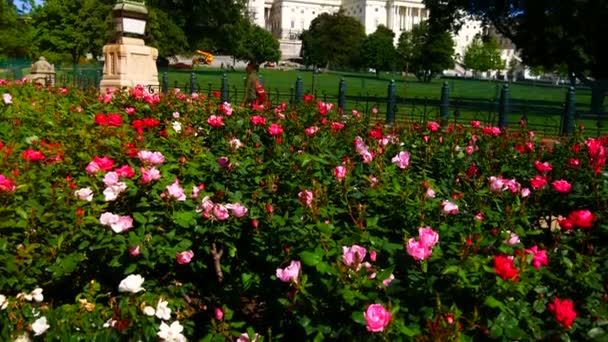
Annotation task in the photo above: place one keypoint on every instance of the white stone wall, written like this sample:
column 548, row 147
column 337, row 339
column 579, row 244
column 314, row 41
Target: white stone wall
column 286, row 19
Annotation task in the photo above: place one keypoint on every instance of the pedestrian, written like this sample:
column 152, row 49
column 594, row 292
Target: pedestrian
column 255, row 95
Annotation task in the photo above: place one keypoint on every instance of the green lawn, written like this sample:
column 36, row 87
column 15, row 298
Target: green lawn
column 368, row 84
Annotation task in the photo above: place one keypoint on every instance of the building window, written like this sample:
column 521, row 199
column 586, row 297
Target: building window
column 293, row 23
column 302, row 11
column 376, row 9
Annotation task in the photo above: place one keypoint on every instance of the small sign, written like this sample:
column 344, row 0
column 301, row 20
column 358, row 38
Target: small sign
column 136, row 26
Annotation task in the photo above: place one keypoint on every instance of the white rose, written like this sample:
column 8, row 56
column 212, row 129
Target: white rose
column 3, row 302
column 40, row 326
column 37, row 295
column 131, row 283
column 171, row 333
column 149, row 311
column 162, row 310
column 84, row 194
column 177, row 126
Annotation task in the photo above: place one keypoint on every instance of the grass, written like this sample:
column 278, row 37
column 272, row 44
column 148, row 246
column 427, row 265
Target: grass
column 368, row 84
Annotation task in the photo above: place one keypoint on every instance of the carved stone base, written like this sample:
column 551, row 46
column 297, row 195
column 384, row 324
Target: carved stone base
column 129, row 63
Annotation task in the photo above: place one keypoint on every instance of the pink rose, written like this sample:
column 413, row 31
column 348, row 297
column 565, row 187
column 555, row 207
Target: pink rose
column 108, row 218
column 402, row 160
column 184, row 257
column 219, row 314
column 340, row 172
column 306, row 197
column 84, row 194
column 7, row 184
column 92, row 168
column 111, row 178
column 135, row 251
column 497, row 184
column 389, row 280
column 290, row 273
column 176, row 191
column 311, row 130
column 373, row 255
column 377, row 317
column 430, row 193
column 449, row 207
column 367, row 157
column 353, row 256
column 220, row 212
column 417, row 250
column 513, row 239
column 275, row 129
column 149, row 175
column 525, row 192
column 124, row 223
column 432, row 126
column 111, row 193
column 215, row 121
column 539, row 257
column 237, row 209
column 428, row 237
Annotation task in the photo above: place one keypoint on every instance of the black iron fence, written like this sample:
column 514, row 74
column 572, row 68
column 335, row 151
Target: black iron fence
column 546, row 117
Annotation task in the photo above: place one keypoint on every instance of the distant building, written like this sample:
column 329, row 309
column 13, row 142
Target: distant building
column 286, row 19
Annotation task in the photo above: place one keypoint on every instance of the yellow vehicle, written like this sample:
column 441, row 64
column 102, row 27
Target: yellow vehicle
column 204, row 58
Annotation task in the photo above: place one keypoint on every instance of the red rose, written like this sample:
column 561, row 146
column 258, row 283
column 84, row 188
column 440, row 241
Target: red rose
column 562, row 186
column 581, row 218
column 538, row 182
column 565, row 224
column 563, row 311
column 114, row 120
column 542, row 167
column 505, row 268
column 101, row 119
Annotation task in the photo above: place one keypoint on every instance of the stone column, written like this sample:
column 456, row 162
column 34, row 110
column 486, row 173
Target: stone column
column 129, row 63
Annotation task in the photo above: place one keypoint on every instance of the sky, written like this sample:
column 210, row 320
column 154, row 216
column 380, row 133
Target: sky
column 21, row 5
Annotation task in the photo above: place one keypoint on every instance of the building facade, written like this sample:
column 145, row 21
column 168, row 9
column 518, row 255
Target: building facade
column 287, row 19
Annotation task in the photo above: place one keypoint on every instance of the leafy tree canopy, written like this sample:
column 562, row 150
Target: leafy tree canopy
column 547, row 32
column 257, row 45
column 333, row 40
column 378, row 50
column 426, row 52
column 483, row 55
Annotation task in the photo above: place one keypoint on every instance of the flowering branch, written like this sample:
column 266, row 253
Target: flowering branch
column 217, row 256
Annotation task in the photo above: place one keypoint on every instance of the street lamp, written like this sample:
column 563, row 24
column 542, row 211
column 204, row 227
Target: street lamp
column 130, row 17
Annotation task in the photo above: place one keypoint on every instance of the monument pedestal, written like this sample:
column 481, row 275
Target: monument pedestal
column 128, row 63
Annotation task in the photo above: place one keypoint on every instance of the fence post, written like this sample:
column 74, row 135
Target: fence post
column 568, row 118
column 391, row 103
column 165, row 83
column 299, row 90
column 192, row 82
column 444, row 107
column 504, row 107
column 225, row 95
column 341, row 95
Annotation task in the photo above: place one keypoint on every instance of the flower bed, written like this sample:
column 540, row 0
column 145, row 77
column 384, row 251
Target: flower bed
column 128, row 215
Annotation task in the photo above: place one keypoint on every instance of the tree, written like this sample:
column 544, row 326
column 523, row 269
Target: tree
column 333, row 40
column 212, row 25
column 406, row 50
column 164, row 34
column 378, row 50
column 258, row 45
column 425, row 51
column 15, row 32
column 483, row 55
column 546, row 32
column 70, row 29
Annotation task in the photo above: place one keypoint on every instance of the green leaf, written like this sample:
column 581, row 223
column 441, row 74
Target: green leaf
column 493, row 303
column 139, row 218
column 450, row 269
column 358, row 317
column 310, row 258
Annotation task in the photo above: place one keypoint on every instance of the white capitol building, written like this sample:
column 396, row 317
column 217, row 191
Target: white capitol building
column 286, row 19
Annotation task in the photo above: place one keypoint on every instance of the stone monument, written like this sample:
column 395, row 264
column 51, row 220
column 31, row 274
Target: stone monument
column 128, row 61
column 42, row 72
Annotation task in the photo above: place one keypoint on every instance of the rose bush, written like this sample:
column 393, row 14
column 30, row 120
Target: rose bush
column 129, row 215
